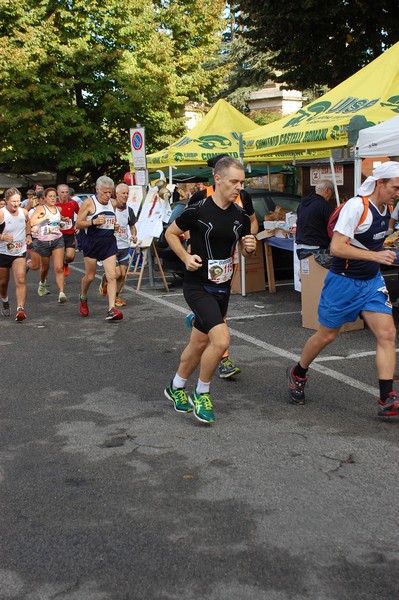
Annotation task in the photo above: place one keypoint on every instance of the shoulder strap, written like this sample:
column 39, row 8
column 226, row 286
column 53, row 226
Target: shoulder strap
column 209, row 190
column 365, row 209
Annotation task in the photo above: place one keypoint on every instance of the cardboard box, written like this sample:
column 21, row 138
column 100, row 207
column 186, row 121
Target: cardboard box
column 312, row 281
column 254, row 273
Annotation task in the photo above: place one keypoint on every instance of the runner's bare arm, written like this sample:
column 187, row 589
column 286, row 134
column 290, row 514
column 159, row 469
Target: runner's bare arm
column 340, row 247
column 38, row 216
column 84, row 220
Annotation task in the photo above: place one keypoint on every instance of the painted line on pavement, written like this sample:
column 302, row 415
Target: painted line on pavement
column 350, row 381
column 291, row 312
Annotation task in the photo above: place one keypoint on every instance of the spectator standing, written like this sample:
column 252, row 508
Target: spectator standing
column 313, row 214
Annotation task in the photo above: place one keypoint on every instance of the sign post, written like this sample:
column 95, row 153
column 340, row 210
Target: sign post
column 137, row 145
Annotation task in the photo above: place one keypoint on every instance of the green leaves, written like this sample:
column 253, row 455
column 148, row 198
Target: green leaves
column 75, row 76
column 319, row 44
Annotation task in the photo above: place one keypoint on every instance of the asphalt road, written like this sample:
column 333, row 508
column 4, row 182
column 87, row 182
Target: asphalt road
column 107, row 493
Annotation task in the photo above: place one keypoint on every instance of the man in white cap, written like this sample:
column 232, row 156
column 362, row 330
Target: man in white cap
column 354, row 285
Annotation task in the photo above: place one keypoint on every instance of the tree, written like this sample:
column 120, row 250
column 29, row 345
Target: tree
column 315, row 43
column 75, row 76
column 247, row 68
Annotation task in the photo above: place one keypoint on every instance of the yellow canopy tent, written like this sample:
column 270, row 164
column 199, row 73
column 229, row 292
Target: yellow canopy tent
column 371, row 95
column 217, row 133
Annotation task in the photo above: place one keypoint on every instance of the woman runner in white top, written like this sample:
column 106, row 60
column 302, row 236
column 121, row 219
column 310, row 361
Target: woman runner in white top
column 49, row 242
column 15, row 232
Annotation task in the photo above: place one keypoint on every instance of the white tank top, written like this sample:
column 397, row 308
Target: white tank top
column 49, row 229
column 123, row 234
column 16, row 226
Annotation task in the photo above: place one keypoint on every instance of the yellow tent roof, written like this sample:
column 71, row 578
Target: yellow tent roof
column 217, row 133
column 371, row 93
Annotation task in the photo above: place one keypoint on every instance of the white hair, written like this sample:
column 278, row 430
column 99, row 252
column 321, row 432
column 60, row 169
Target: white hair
column 120, row 185
column 104, row 181
column 324, row 184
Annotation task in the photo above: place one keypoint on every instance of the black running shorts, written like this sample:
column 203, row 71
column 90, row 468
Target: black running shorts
column 209, row 304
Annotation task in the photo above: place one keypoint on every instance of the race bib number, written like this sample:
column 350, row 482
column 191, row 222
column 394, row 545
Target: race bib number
column 52, row 229
column 109, row 223
column 220, row 271
column 15, row 247
column 122, row 233
column 67, row 224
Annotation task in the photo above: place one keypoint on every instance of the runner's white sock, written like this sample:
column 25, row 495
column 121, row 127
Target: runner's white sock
column 202, row 387
column 178, row 382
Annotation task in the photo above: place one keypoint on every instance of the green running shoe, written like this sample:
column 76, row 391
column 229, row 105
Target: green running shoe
column 179, row 398
column 203, row 408
column 42, row 289
column 227, row 368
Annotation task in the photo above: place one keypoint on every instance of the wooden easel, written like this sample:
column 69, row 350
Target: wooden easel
column 146, row 255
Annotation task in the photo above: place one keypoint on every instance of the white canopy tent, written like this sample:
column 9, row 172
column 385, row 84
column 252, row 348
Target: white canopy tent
column 378, row 141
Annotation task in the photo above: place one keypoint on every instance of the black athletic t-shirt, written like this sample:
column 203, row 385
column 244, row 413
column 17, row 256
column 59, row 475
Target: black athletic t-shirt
column 245, row 199
column 214, row 233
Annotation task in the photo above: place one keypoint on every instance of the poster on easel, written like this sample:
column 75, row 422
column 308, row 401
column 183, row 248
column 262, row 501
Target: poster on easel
column 150, row 222
column 135, row 198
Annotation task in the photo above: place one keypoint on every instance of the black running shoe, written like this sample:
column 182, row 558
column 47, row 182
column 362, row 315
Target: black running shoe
column 389, row 407
column 296, row 389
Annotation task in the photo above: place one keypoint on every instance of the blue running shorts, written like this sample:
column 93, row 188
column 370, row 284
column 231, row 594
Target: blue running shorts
column 343, row 299
column 99, row 247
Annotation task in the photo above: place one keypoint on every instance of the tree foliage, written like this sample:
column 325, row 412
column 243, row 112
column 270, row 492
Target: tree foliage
column 315, row 43
column 247, row 68
column 76, row 75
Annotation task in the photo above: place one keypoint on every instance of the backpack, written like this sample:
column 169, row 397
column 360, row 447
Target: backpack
column 332, row 221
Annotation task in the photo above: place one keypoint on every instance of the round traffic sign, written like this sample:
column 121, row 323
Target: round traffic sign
column 137, row 141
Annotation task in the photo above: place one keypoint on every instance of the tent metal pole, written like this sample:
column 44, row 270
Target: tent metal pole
column 334, row 180
column 241, row 148
column 357, row 172
column 171, row 167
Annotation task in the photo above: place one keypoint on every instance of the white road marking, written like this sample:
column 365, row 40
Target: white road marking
column 242, row 317
column 348, row 357
column 350, row 381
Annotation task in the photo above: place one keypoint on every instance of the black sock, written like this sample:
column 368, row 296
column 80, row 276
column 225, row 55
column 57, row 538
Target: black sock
column 386, row 386
column 300, row 371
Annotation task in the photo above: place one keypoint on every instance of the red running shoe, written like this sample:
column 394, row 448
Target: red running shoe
column 67, row 270
column 83, row 308
column 114, row 315
column 21, row 316
column 389, row 407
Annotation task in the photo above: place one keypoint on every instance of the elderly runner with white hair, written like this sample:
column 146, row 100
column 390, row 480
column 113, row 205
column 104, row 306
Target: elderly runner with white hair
column 97, row 218
column 354, row 285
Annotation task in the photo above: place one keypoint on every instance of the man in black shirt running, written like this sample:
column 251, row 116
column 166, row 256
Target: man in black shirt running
column 226, row 368
column 216, row 224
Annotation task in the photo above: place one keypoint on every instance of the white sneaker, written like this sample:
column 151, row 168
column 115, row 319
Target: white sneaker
column 62, row 298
